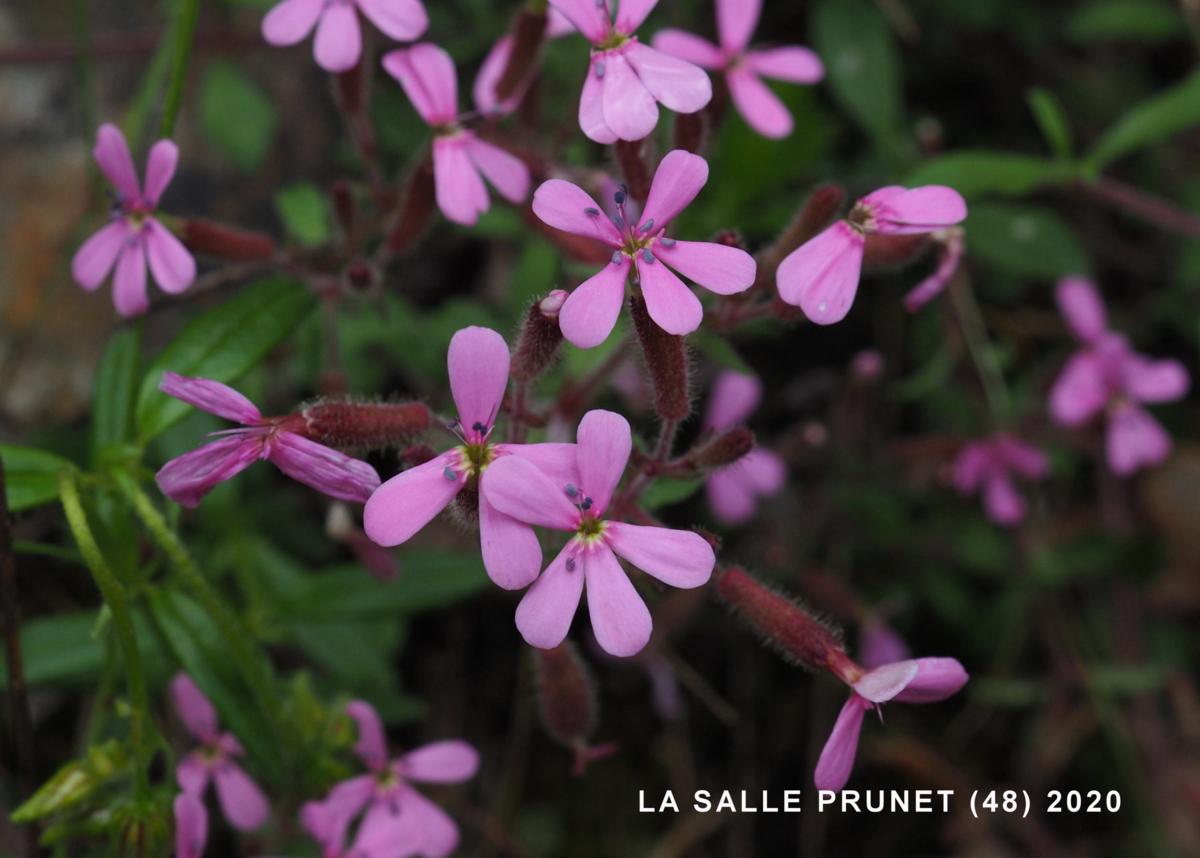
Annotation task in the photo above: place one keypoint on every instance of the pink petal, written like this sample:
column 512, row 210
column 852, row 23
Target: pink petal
column 517, row 488
column 319, row 467
column 402, row 20
column 446, row 762
column 918, row 210
column 112, row 156
column 879, row 644
column 764, row 470
column 191, row 773
column 327, row 821
column 675, row 83
column 568, row 207
column 512, row 555
column 411, row 499
column 590, row 311
column 242, row 802
column 679, row 177
column 620, row 619
column 604, row 442
column 670, row 303
column 210, row 396
column 735, row 395
column 936, row 679
column 96, row 256
column 761, row 108
column 490, row 72
column 689, row 47
column 1025, row 459
column 837, row 757
column 339, row 38
column 172, row 265
column 679, row 558
column 194, row 709
column 591, row 106
column 882, row 683
column 557, row 24
column 1082, row 307
column 589, row 17
column 949, row 258
column 631, row 14
column 732, row 498
column 629, row 108
column 717, row 267
column 1135, row 440
column 188, row 478
column 971, row 466
column 290, row 21
column 821, row 276
column 191, row 826
column 558, row 461
column 736, row 20
column 1080, row 392
column 160, row 167
column 426, row 72
column 372, row 743
column 460, row 191
column 129, row 281
column 507, row 173
column 477, row 362
column 547, row 608
column 1154, row 380
column 438, row 832
column 792, row 64
column 1002, row 501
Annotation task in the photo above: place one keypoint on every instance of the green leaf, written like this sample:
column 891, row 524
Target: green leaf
column 720, row 351
column 1124, row 20
column 64, row 649
column 1024, row 240
column 1051, row 120
column 236, row 116
column 116, row 386
column 77, row 782
column 1161, row 116
column 666, row 491
column 975, row 172
column 304, row 211
column 30, row 476
column 222, row 344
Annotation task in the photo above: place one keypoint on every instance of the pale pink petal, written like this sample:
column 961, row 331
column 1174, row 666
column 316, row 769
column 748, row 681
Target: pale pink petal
column 438, row 832
column 338, row 44
column 188, row 478
column 191, row 826
column 461, row 194
column 507, row 173
column 1080, row 391
column 446, row 762
column 1002, row 501
column 547, row 608
column 402, row 20
column 558, row 461
column 1135, row 440
column 732, row 498
column 490, row 71
column 172, row 265
column 589, row 17
column 792, row 64
column 879, row 644
column 631, row 14
column 670, row 303
column 882, row 683
column 160, row 167
column 242, row 802
column 477, row 363
column 210, row 396
column 1081, row 307
column 591, row 104
column 949, row 258
column 620, row 619
column 590, row 311
column 193, row 708
column 821, row 276
column 129, row 281
column 290, row 21
column 717, row 267
column 736, row 20
column 761, row 108
column 329, row 820
column 96, row 256
column 372, row 743
column 917, row 210
column 519, row 489
column 604, row 444
column 411, row 499
column 837, row 757
column 680, row 558
column 1025, row 459
column 629, row 108
column 764, row 470
column 385, row 832
column 674, row 83
column 936, row 679
column 112, row 156
column 319, row 467
column 191, row 773
column 512, row 555
column 557, row 24
column 568, row 207
column 735, row 395
column 689, row 47
column 426, row 72
column 677, row 181
column 1154, row 380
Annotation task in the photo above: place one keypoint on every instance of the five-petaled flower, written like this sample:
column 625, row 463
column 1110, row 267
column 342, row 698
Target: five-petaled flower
column 1107, row 375
column 190, row 477
column 821, row 275
column 626, row 80
column 733, row 491
column 989, row 465
column 736, row 20
column 640, row 244
column 134, row 237
column 338, row 45
column 620, row 619
column 460, row 159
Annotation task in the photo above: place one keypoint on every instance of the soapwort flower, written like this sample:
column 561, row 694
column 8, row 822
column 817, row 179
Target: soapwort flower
column 734, row 490
column 989, row 465
column 338, row 43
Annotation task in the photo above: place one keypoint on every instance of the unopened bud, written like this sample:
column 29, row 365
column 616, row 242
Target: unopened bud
column 666, row 361
column 691, row 131
column 359, row 275
column 634, row 158
column 892, row 251
column 417, row 454
column 540, row 337
column 867, row 366
column 818, row 211
column 729, row 238
column 567, row 702
column 528, row 34
column 224, row 242
column 416, row 210
column 580, row 248
column 367, row 425
column 344, row 206
column 724, row 449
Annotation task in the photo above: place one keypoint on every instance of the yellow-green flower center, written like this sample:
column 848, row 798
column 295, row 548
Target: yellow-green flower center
column 476, row 457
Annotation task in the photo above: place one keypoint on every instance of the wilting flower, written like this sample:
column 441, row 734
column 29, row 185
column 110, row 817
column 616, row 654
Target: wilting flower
column 625, row 78
column 190, row 477
column 477, row 361
column 736, row 20
column 589, row 314
column 1107, row 375
column 620, row 619
column 733, row 491
column 191, row 826
column 821, row 275
column 461, row 160
column 950, row 251
column 922, row 680
column 338, row 44
column 242, row 802
column 494, row 64
column 133, row 236
column 398, row 820
column 989, row 465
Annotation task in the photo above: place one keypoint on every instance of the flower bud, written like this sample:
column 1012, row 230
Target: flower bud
column 344, row 423
column 634, row 157
column 867, row 366
column 224, row 242
column 344, row 207
column 529, row 33
column 691, row 131
column 416, row 210
column 359, row 275
column 578, row 247
column 666, row 361
column 723, row 449
column 567, row 702
column 417, row 454
column 540, row 337
column 891, row 251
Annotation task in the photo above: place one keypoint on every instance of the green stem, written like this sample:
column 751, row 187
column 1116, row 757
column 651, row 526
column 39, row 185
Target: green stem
column 184, row 35
column 114, row 597
column 983, row 355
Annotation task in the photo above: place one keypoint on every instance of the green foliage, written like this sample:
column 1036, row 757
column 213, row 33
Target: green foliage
column 1051, row 120
column 31, row 476
column 1123, row 21
column 304, row 210
column 1159, row 117
column 236, row 115
column 69, row 649
column 665, row 491
column 1024, row 240
column 980, row 172
column 78, row 783
column 116, row 387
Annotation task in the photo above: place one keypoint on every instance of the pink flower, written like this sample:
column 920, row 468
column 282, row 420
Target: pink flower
column 1107, row 375
column 190, row 477
column 494, row 64
column 242, row 802
column 879, row 643
column 461, row 161
column 625, row 78
column 398, row 820
column 619, row 617
column 736, row 20
column 922, row 680
column 821, row 275
column 478, row 362
column 338, row 45
column 950, row 252
column 989, row 464
column 134, row 237
column 589, row 314
column 191, row 826
column 733, row 491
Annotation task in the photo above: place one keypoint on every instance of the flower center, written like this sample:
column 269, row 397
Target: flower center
column 590, row 530
column 862, row 218
column 476, row 457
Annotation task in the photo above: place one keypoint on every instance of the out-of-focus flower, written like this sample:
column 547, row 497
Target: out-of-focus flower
column 478, row 362
column 736, row 21
column 989, row 465
column 133, row 237
column 627, row 80
column 1107, row 375
column 191, row 826
column 821, row 275
column 242, row 802
column 190, row 477
column 494, row 64
column 461, row 160
column 950, row 252
column 879, row 644
column 734, row 490
column 620, row 619
column 589, row 314
column 338, row 44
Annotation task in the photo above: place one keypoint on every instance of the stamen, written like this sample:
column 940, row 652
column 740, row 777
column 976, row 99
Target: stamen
column 647, row 256
column 616, row 257
column 667, row 242
column 571, row 490
column 449, row 474
column 479, row 427
column 619, row 196
column 591, row 212
column 587, row 503
column 647, row 226
column 599, row 66
column 570, row 564
column 616, row 220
